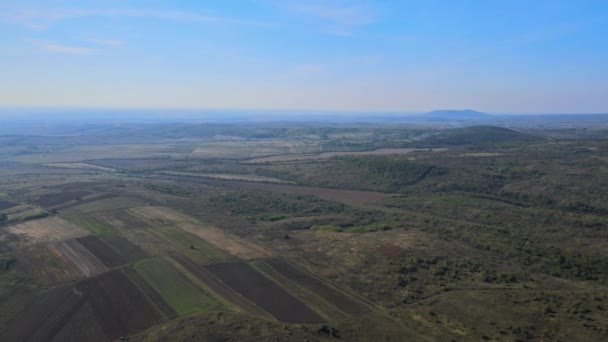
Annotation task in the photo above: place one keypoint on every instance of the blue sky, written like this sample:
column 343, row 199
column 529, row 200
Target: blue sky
column 498, row 56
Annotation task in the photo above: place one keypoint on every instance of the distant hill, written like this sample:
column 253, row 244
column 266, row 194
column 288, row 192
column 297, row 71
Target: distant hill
column 452, row 114
column 477, row 135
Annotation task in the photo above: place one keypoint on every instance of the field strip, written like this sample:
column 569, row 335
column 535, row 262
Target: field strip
column 161, row 214
column 87, row 199
column 217, row 287
column 79, row 166
column 119, row 304
column 47, row 264
column 85, row 261
column 347, row 303
column 327, row 155
column 108, row 256
column 216, row 237
column 4, row 204
column 314, row 301
column 47, row 229
column 43, row 318
column 174, row 287
column 264, row 292
column 246, row 178
column 152, row 294
column 230, row 243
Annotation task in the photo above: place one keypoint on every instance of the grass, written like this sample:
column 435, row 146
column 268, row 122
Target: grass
column 182, row 295
column 108, row 204
column 192, row 246
column 89, row 223
column 272, row 217
column 370, row 228
column 6, row 263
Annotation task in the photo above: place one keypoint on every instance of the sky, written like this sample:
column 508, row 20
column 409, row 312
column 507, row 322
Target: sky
column 502, row 56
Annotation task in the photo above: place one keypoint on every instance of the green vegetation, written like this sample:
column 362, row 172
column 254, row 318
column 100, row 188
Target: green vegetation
column 192, row 246
column 88, row 222
column 7, row 263
column 477, row 135
column 271, row 217
column 36, row 215
column 181, row 294
column 501, row 236
column 260, row 203
column 370, row 228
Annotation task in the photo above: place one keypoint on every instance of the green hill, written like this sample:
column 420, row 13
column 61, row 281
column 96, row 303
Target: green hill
column 474, row 135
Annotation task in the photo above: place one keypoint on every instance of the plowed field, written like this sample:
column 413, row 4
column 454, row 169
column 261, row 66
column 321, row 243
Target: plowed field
column 263, row 292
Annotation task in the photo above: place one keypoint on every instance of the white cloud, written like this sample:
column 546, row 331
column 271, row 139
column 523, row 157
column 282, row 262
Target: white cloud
column 43, row 18
column 341, row 17
column 64, row 49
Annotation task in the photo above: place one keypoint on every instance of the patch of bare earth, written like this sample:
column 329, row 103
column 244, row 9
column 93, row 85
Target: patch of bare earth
column 47, row 229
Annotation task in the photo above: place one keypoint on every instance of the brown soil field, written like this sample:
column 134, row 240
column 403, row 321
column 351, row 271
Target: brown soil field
column 161, row 215
column 45, row 316
column 119, row 305
column 337, row 298
column 4, row 204
column 4, row 248
column 106, row 204
column 230, row 243
column 82, row 326
column 218, row 287
column 103, row 252
column 147, row 241
column 102, row 308
column 124, row 248
column 85, row 261
column 87, row 199
column 51, row 200
column 47, row 229
column 120, row 219
column 390, row 251
column 13, row 301
column 263, row 292
column 154, row 296
column 48, row 265
column 327, row 155
column 326, row 310
column 345, row 196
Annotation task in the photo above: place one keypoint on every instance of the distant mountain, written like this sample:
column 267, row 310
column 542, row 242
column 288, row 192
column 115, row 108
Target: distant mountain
column 453, row 114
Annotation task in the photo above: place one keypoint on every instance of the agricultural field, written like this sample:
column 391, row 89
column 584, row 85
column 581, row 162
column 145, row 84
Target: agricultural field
column 182, row 295
column 289, row 231
column 42, row 230
column 260, row 290
column 4, row 204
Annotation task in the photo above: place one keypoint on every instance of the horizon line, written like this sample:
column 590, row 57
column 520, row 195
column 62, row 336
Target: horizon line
column 283, row 110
